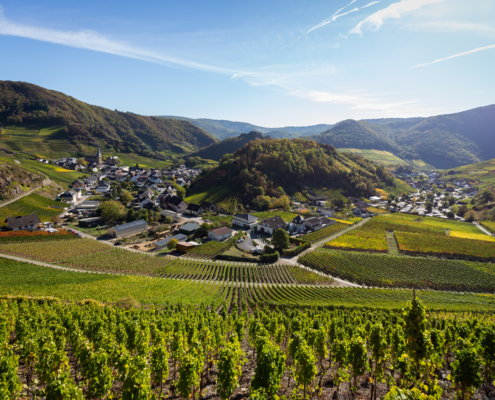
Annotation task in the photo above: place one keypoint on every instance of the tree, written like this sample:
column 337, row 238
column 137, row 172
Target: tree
column 126, row 197
column 280, row 239
column 112, row 210
column 172, row 244
column 82, row 161
column 471, row 215
column 450, row 215
column 462, row 210
column 181, row 192
column 486, row 196
column 429, row 206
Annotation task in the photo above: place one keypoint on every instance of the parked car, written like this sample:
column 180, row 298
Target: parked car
column 117, row 243
column 240, row 240
column 207, row 220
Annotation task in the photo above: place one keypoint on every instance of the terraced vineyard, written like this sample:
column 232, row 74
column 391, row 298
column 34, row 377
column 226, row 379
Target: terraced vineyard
column 31, row 204
column 401, row 271
column 324, row 232
column 25, row 279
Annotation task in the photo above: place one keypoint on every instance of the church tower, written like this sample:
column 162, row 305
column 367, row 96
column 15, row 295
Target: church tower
column 99, row 157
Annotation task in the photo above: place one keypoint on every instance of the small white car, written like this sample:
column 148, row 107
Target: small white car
column 240, row 240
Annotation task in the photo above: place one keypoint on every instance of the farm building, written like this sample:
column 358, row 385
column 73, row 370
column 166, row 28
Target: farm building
column 184, row 247
column 89, row 222
column 220, row 234
column 188, row 229
column 128, row 229
column 23, row 222
column 162, row 244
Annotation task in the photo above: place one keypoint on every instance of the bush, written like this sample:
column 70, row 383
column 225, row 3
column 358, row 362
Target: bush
column 269, row 250
column 299, row 249
column 269, row 258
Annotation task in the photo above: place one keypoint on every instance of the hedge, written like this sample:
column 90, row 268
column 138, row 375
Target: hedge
column 269, row 258
column 295, row 251
column 236, row 258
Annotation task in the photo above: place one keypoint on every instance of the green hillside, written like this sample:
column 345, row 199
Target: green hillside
column 444, row 141
column 483, row 174
column 274, row 167
column 217, row 150
column 379, row 156
column 39, row 121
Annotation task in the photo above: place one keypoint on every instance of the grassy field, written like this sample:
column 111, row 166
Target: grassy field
column 32, row 204
column 483, row 172
column 378, row 156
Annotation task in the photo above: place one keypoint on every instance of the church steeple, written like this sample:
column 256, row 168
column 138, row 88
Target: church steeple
column 99, row 157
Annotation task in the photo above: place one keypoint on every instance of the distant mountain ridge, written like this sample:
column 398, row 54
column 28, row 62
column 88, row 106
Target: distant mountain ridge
column 224, row 129
column 444, row 141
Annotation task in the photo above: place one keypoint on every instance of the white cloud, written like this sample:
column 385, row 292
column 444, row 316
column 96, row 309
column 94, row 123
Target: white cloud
column 394, row 10
column 91, row 40
column 456, row 55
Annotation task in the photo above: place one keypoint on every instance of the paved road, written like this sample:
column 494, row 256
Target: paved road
column 484, row 230
column 24, row 194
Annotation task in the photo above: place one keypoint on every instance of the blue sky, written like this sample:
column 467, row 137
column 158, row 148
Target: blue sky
column 272, row 63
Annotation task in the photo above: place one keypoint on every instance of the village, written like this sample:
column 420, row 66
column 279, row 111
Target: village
column 158, row 218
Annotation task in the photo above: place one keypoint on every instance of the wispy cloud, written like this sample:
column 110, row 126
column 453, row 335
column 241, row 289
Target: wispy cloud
column 91, row 40
column 370, row 4
column 334, row 16
column 456, row 55
column 394, row 10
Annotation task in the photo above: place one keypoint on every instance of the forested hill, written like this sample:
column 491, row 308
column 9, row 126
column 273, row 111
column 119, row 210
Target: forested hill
column 356, row 134
column 272, row 167
column 217, row 150
column 27, row 104
column 444, row 141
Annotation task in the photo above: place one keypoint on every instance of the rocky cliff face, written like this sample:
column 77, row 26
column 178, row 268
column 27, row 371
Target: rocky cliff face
column 14, row 179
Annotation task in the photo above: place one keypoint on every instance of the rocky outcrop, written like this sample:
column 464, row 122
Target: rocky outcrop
column 14, row 180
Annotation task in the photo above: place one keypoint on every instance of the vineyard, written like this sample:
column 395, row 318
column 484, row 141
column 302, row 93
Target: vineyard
column 401, row 271
column 490, row 225
column 19, row 278
column 246, row 273
column 209, row 250
column 324, row 232
column 55, row 350
column 31, row 204
column 372, row 236
column 445, row 246
column 90, row 255
column 37, row 236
